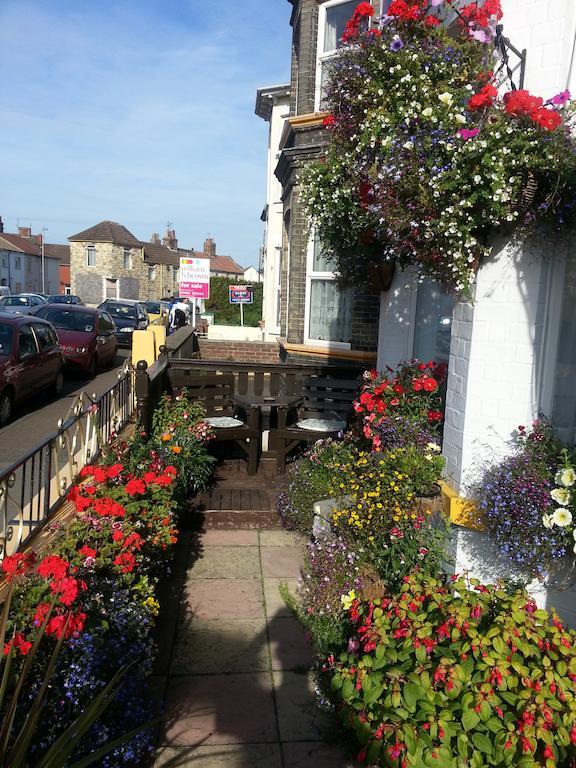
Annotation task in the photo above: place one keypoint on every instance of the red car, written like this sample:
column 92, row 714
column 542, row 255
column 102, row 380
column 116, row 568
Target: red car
column 87, row 336
column 30, row 361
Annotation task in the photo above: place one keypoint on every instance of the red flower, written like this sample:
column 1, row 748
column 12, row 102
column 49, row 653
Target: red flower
column 416, row 385
column 126, row 562
column 87, row 471
column 546, row 118
column 404, row 11
column 521, row 103
column 429, row 384
column 53, row 566
column 431, row 21
column 135, row 487
column 82, row 503
column 106, row 507
column 328, row 121
column 87, row 551
column 482, row 99
column 163, row 480
column 20, row 643
column 434, row 416
column 117, row 536
column 100, row 475
column 114, row 470
column 364, row 10
column 170, row 470
column 149, row 477
column 56, row 624
column 133, row 540
column 66, row 589
column 17, row 564
column 394, row 401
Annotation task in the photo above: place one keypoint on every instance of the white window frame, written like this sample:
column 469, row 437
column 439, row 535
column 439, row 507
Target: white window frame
column 310, row 277
column 152, row 272
column 322, row 55
column 90, row 248
column 127, row 258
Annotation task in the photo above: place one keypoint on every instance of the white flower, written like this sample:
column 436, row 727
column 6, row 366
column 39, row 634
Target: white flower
column 562, row 517
column 427, row 112
column 574, row 549
column 566, row 477
column 446, row 98
column 477, row 178
column 460, row 119
column 408, row 145
column 547, row 521
column 561, row 496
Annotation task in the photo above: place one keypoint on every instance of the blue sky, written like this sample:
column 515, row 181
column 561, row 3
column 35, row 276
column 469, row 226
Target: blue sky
column 139, row 111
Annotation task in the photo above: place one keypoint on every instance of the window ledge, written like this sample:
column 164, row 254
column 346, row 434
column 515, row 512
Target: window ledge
column 328, row 351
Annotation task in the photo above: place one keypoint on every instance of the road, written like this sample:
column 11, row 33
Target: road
column 36, row 419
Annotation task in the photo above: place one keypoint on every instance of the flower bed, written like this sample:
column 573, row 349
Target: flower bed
column 96, row 592
column 424, row 160
column 424, row 669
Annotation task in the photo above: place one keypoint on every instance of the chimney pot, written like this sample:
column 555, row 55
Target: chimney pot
column 210, row 247
column 25, row 232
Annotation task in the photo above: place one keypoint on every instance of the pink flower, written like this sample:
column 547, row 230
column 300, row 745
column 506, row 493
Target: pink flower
column 560, row 99
column 468, row 133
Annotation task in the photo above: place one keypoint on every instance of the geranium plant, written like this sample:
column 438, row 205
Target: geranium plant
column 424, row 159
column 411, row 395
column 457, row 675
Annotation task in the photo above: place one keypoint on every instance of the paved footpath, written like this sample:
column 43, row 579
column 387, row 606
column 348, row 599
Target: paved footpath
column 234, row 663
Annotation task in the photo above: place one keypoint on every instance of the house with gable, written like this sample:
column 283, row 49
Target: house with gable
column 21, row 263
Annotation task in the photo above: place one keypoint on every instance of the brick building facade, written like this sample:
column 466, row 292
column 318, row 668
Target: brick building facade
column 315, row 315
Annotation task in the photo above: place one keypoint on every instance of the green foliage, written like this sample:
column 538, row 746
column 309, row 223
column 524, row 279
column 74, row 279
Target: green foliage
column 229, row 314
column 457, row 676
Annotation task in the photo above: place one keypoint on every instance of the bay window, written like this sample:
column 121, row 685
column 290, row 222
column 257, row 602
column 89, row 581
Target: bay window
column 333, row 17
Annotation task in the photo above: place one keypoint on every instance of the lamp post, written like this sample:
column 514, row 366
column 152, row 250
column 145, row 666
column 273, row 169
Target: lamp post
column 44, row 229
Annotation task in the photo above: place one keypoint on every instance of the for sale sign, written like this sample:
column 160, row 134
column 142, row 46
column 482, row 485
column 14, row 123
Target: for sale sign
column 194, row 278
column 240, row 294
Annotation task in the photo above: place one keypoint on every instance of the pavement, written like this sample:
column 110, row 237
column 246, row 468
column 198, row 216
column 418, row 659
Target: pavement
column 36, row 419
column 234, row 664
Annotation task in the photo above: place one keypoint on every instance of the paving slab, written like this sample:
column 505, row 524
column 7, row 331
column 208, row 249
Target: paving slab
column 220, row 646
column 289, row 647
column 223, row 599
column 314, row 754
column 281, row 538
column 222, row 756
column 209, row 710
column 274, row 603
column 299, row 718
column 229, row 538
column 220, row 562
column 281, row 562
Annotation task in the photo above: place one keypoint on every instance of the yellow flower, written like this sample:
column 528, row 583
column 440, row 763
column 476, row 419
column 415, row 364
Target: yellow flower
column 166, row 436
column 175, row 449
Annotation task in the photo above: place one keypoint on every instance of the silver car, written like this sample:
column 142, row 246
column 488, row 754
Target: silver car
column 22, row 303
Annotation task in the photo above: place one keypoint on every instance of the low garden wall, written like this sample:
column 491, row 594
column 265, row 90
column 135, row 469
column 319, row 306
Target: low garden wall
column 239, row 351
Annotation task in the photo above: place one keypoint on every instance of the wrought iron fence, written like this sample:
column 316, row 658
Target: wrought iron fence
column 33, row 488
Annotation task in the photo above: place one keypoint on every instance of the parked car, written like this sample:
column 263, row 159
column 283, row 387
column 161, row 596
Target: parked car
column 31, row 360
column 64, row 298
column 158, row 310
column 128, row 316
column 21, row 303
column 87, row 336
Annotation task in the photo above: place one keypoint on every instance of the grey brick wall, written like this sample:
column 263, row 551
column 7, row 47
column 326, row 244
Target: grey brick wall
column 88, row 287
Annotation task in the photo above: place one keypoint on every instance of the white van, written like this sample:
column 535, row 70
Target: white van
column 4, row 291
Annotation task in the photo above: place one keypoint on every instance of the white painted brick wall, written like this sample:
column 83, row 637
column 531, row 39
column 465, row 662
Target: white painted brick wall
column 546, row 29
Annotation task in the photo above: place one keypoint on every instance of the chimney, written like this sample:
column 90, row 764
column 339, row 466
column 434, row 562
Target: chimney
column 169, row 240
column 210, row 248
column 25, row 232
column 155, row 239
column 1, row 225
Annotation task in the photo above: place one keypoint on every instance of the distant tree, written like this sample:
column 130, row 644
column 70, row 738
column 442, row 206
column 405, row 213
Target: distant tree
column 229, row 314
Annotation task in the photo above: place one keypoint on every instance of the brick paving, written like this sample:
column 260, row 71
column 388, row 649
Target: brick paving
column 233, row 663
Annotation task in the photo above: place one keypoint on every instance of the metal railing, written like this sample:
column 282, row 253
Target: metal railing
column 35, row 486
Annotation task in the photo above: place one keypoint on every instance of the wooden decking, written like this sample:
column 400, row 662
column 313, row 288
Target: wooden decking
column 239, row 500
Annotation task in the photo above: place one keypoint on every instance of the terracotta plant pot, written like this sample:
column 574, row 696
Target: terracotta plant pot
column 381, row 275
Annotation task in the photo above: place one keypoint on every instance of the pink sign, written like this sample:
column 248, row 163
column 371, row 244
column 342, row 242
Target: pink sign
column 194, row 278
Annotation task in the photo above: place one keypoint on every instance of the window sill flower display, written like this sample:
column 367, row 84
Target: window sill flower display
column 96, row 594
column 528, row 503
column 424, row 160
column 402, row 407
column 457, row 674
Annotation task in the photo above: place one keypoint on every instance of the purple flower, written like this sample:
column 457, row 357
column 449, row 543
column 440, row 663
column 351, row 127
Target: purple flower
column 560, row 99
column 468, row 133
column 396, row 44
column 436, row 3
column 480, row 35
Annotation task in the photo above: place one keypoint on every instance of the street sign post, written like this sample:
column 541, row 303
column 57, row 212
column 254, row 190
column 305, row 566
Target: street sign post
column 194, row 281
column 241, row 294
